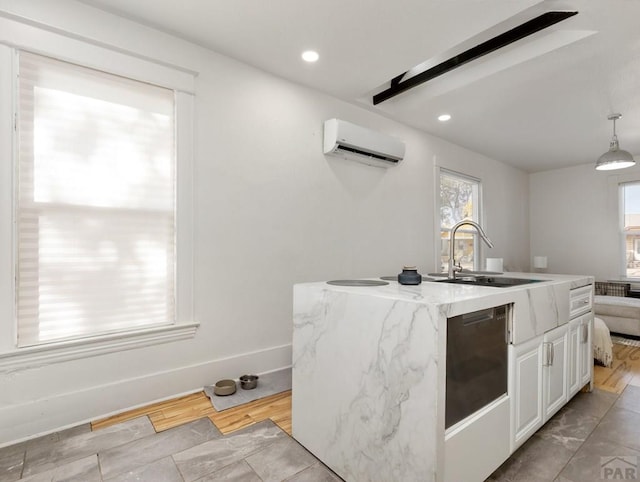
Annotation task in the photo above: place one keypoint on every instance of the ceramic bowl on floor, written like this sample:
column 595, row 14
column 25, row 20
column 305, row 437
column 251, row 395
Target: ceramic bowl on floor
column 248, row 382
column 224, row 387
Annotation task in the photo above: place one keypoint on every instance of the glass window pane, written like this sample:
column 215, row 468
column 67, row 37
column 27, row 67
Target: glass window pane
column 631, row 228
column 459, row 199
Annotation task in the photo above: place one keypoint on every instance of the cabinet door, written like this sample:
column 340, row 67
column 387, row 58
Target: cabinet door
column 574, row 357
column 555, row 370
column 525, row 389
column 586, row 349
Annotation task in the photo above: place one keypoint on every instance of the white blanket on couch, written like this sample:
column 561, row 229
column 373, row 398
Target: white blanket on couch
column 602, row 345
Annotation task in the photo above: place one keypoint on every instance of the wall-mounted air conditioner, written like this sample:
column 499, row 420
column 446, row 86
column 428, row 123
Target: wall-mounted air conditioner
column 349, row 141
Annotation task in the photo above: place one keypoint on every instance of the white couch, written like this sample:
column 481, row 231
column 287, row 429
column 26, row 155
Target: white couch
column 621, row 314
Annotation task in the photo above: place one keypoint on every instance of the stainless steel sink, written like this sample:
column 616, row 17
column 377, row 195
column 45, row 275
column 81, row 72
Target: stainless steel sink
column 495, row 281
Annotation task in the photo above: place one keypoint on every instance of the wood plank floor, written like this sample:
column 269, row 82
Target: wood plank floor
column 171, row 413
column 625, row 370
column 164, row 415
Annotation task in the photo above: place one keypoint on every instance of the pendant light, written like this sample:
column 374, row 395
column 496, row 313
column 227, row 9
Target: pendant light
column 614, row 158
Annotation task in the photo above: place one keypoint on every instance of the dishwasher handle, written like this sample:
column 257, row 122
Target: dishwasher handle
column 478, row 317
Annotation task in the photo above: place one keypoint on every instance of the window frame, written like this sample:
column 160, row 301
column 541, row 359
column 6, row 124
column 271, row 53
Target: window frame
column 69, row 206
column 477, row 216
column 622, row 233
column 182, row 81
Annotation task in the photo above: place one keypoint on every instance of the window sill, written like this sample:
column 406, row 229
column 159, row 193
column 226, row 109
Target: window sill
column 35, row 356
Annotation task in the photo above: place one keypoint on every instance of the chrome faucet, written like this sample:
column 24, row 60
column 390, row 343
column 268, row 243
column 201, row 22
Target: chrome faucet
column 453, row 268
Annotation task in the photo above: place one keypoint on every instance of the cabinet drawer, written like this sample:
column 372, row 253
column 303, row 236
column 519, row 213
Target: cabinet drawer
column 580, row 301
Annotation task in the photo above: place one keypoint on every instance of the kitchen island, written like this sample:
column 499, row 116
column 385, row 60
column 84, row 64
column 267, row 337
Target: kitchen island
column 369, row 373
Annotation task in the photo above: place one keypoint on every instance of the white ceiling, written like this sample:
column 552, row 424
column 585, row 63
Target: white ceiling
column 539, row 104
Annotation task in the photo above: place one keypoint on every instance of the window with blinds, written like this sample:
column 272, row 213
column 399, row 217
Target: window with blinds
column 95, row 203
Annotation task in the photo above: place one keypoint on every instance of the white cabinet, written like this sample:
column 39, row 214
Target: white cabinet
column 574, row 365
column 580, row 335
column 537, row 382
column 580, row 353
column 525, row 387
column 554, row 371
column 580, row 301
column 585, row 348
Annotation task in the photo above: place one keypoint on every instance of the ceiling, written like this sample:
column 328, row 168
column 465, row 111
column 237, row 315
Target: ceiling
column 539, row 104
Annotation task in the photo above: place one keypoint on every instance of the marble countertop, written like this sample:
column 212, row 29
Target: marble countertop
column 538, row 306
column 434, row 292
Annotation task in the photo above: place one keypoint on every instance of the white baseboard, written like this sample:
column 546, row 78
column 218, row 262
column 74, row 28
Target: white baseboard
column 60, row 411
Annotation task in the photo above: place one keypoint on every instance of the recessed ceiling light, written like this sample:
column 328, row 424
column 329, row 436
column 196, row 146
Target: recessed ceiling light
column 444, row 117
column 310, row 56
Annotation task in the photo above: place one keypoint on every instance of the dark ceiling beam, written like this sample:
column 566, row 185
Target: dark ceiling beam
column 397, row 85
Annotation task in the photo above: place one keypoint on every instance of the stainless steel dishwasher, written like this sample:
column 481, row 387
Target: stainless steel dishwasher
column 477, row 361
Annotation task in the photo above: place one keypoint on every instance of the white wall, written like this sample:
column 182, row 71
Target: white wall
column 574, row 219
column 271, row 211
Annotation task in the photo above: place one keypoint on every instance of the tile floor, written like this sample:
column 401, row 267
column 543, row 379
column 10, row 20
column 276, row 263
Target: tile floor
column 133, row 451
column 592, row 429
column 582, row 441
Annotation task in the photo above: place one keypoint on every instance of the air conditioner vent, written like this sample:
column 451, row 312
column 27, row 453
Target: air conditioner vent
column 350, row 141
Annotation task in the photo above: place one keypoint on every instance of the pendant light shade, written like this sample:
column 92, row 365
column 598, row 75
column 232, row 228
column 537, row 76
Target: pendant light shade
column 614, row 158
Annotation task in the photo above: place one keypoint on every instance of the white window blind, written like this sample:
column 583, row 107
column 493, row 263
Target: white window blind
column 96, row 203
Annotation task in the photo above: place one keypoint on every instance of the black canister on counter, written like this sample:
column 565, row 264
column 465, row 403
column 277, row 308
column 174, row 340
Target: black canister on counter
column 409, row 276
